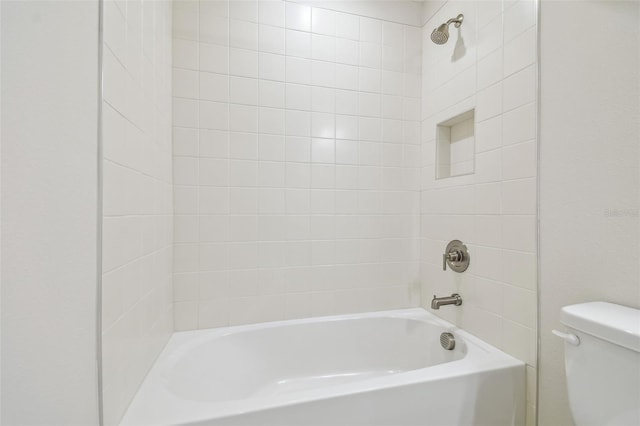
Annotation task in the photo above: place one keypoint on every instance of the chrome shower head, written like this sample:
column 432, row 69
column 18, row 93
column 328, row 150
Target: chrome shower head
column 441, row 34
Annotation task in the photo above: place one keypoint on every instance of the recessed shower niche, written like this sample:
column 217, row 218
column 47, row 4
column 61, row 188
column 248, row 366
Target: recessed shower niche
column 455, row 144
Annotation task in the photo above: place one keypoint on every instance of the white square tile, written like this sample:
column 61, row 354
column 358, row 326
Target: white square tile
column 370, row 129
column 323, row 99
column 214, row 58
column 185, row 141
column 271, row 121
column 271, row 67
column 520, row 269
column 213, row 284
column 214, row 7
column 298, row 70
column 185, row 83
column 213, row 200
column 519, row 232
column 346, row 127
column 322, row 175
column 518, row 18
column 271, row 12
column 271, row 174
column 213, row 313
column 243, row 90
column 271, row 94
column 213, row 143
column 185, row 200
column 271, row 147
column 346, row 152
column 322, row 125
column 243, row 118
column 490, row 69
column 243, row 62
column 322, row 150
column 323, row 47
column 370, row 80
column 213, row 115
column 370, row 55
column 489, row 102
column 370, row 30
column 520, row 88
column 213, row 228
column 298, row 123
column 185, row 54
column 185, row 112
column 214, row 87
column 298, row 149
column 322, row 201
column 347, row 52
column 298, row 17
column 271, row 200
column 298, row 44
column 369, row 105
column 346, row 102
column 243, row 200
column 298, row 175
column 323, row 21
column 519, row 161
column 243, row 146
column 213, row 172
column 185, row 23
column 489, row 134
column 347, row 26
column 185, row 315
column 298, row 97
column 519, row 125
column 490, row 37
column 246, row 10
column 346, row 76
column 520, row 52
column 271, row 39
column 392, row 58
column 392, row 34
column 214, row 29
column 323, row 73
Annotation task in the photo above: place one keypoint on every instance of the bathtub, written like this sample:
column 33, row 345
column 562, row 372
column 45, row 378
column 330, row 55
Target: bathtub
column 381, row 368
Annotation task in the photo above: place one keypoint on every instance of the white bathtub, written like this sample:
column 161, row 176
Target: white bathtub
column 381, row 368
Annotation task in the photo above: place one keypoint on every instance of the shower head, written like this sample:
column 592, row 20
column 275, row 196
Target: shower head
column 441, row 34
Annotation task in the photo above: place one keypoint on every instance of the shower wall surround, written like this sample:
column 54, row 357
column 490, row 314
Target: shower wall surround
column 296, row 133
column 489, row 64
column 137, row 315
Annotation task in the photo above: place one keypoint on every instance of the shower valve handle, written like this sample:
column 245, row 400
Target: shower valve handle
column 452, row 256
column 456, row 256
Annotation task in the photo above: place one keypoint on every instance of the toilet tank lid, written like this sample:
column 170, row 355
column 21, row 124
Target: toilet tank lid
column 608, row 321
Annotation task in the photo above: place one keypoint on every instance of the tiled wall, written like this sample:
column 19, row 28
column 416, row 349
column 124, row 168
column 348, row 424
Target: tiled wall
column 490, row 65
column 296, row 162
column 137, row 200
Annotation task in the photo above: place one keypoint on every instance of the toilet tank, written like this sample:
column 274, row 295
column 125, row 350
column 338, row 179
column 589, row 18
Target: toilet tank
column 603, row 370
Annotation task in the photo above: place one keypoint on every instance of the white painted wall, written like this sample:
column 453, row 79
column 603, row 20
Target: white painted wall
column 296, row 161
column 589, row 171
column 137, row 291
column 488, row 64
column 49, row 212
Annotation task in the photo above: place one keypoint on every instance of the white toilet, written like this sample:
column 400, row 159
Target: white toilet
column 602, row 363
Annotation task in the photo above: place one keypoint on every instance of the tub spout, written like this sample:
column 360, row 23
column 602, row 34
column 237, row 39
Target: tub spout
column 454, row 299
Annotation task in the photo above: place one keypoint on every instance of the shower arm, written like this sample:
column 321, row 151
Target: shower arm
column 457, row 21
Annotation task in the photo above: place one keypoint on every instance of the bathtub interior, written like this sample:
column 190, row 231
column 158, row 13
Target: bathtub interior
column 278, row 360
